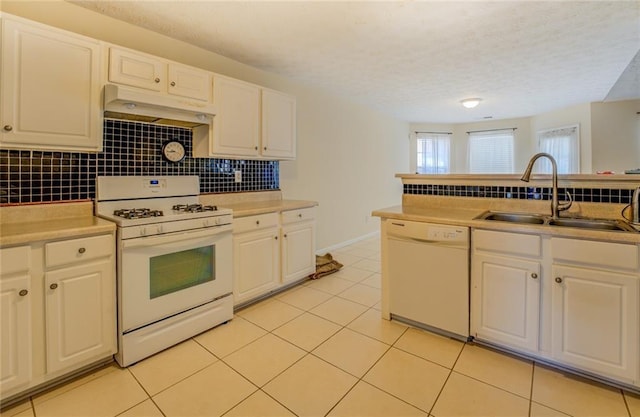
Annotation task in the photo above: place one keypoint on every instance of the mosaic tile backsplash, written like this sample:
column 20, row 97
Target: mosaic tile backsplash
column 588, row 195
column 130, row 148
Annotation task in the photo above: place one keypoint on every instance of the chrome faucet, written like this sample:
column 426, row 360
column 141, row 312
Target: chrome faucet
column 556, row 206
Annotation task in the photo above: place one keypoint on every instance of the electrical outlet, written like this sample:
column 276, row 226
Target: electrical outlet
column 238, row 176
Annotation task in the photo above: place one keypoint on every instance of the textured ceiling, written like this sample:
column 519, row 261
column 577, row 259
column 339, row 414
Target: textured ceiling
column 417, row 60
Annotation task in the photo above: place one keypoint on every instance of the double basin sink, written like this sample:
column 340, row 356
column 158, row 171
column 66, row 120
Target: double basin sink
column 539, row 219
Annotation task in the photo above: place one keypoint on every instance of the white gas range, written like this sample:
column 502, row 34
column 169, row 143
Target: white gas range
column 174, row 261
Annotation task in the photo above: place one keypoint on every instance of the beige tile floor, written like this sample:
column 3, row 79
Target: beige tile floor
column 321, row 349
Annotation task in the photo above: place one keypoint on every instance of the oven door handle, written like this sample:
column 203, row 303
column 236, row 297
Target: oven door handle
column 176, row 237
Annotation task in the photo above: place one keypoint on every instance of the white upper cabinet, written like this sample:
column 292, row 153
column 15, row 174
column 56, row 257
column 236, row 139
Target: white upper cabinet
column 152, row 73
column 236, row 127
column 51, row 81
column 137, row 70
column 251, row 122
column 189, row 82
column 278, row 125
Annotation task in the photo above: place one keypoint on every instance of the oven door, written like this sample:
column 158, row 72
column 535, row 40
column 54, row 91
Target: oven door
column 165, row 275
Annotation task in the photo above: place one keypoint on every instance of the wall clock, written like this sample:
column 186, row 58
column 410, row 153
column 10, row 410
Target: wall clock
column 173, row 151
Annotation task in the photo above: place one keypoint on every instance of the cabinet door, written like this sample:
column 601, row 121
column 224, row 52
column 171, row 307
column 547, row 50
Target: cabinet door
column 595, row 320
column 255, row 258
column 237, row 123
column 189, row 82
column 15, row 338
column 505, row 297
column 278, row 125
column 137, row 70
column 298, row 251
column 50, row 89
column 80, row 314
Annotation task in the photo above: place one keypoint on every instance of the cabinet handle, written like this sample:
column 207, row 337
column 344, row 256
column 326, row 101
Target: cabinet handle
column 8, row 128
column 300, row 215
column 22, row 293
column 559, row 280
column 82, row 250
column 53, row 286
column 173, row 83
column 534, row 275
column 255, row 147
column 285, row 235
column 258, row 222
column 276, row 237
column 157, row 80
column 265, row 148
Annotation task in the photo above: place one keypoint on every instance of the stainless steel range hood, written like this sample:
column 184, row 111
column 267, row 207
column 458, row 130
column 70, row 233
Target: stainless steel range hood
column 126, row 103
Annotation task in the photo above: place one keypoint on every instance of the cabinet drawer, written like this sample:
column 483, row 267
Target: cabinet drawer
column 513, row 243
column 13, row 260
column 78, row 250
column 261, row 221
column 299, row 215
column 615, row 255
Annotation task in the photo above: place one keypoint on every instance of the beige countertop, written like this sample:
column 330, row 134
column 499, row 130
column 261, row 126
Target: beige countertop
column 252, row 203
column 27, row 224
column 12, row 234
column 244, row 209
column 465, row 217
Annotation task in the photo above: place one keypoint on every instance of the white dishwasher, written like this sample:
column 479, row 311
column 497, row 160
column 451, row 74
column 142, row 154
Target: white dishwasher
column 428, row 276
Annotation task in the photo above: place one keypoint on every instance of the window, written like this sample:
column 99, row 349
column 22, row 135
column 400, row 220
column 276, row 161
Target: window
column 491, row 152
column 433, row 153
column 563, row 144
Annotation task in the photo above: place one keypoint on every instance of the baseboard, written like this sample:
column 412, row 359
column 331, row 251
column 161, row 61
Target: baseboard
column 347, row 243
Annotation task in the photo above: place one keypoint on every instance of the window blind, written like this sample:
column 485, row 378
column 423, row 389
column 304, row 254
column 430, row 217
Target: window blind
column 491, row 152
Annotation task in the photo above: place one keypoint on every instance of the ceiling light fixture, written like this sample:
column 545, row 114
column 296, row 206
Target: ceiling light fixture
column 471, row 102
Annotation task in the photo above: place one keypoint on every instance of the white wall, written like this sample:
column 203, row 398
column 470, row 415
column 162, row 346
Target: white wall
column 609, row 135
column 579, row 114
column 347, row 154
column 460, row 139
column 615, row 135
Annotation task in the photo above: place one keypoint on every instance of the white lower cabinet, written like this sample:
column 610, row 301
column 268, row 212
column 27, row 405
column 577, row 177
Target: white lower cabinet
column 80, row 314
column 506, row 301
column 590, row 296
column 298, row 245
column 505, row 288
column 595, row 307
column 271, row 251
column 255, row 257
column 58, row 305
column 15, row 317
column 595, row 321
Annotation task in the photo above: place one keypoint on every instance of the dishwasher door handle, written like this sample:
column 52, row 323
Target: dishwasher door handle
column 444, row 243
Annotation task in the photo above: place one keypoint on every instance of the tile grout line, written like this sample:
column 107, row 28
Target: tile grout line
column 444, row 384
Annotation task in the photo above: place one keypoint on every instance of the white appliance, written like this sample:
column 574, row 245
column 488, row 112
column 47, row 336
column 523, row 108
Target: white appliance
column 174, row 261
column 428, row 276
column 119, row 99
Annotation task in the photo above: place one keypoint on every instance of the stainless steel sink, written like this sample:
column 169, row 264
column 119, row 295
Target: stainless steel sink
column 597, row 224
column 513, row 217
column 539, row 219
